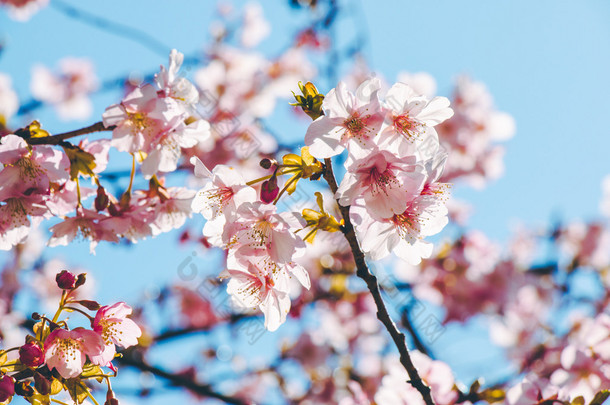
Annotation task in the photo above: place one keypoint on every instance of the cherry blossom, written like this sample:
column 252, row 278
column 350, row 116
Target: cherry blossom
column 257, row 281
column 112, row 324
column 412, row 118
column 67, row 351
column 384, row 181
column 351, row 121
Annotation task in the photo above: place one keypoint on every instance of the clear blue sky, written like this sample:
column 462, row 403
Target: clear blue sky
column 546, row 62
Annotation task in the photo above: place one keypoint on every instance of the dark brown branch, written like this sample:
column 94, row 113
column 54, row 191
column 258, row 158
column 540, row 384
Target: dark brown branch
column 57, row 139
column 371, row 282
column 132, row 358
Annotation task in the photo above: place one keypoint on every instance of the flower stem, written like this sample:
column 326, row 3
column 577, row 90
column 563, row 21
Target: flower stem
column 363, row 272
column 133, row 173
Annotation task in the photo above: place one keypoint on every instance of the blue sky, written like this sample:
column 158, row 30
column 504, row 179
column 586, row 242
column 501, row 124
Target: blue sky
column 545, row 62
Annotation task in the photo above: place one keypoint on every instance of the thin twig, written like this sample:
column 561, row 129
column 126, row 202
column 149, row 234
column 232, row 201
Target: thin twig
column 122, row 30
column 132, row 358
column 57, row 139
column 371, row 282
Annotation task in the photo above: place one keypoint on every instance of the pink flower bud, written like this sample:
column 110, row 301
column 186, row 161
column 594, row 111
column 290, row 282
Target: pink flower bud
column 31, row 355
column 65, row 280
column 269, row 190
column 7, row 388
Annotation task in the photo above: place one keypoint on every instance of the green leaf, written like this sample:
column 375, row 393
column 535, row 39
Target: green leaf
column 76, row 389
column 600, row 397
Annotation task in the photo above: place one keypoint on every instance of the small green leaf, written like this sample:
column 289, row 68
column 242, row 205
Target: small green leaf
column 600, row 397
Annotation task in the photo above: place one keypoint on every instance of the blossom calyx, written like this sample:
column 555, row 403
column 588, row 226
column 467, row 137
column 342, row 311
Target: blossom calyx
column 301, row 167
column 319, row 220
column 310, row 101
column 80, row 161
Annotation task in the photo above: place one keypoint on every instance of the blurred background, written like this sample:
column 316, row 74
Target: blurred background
column 545, row 64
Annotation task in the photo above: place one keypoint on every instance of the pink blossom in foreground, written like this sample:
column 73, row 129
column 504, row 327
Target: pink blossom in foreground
column 224, row 189
column 67, row 90
column 411, row 120
column 28, row 172
column 112, row 324
column 175, row 86
column 141, row 118
column 403, row 233
column 87, row 224
column 258, row 226
column 384, row 181
column 351, row 121
column 67, row 351
column 257, row 281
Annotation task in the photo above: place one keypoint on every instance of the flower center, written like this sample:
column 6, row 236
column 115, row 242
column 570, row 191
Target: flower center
column 406, row 126
column 69, row 348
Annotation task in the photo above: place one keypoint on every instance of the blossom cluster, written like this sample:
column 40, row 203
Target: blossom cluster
column 56, row 358
column 393, row 165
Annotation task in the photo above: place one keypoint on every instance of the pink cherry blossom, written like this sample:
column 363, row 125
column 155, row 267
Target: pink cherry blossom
column 88, row 224
column 257, row 281
column 384, row 181
column 175, row 86
column 224, row 189
column 425, row 215
column 411, row 120
column 258, row 226
column 112, row 324
column 141, row 118
column 351, row 121
column 67, row 351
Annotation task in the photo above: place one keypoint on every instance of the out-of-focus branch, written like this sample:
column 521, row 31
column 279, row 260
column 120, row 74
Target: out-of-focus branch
column 133, row 359
column 125, row 31
column 371, row 282
column 57, row 139
column 406, row 321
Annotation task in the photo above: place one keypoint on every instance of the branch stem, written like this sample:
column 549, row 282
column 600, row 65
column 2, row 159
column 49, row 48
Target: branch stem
column 363, row 272
column 57, row 139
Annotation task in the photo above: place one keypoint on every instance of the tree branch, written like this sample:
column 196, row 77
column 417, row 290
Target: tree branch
column 371, row 282
column 122, row 30
column 132, row 358
column 56, row 139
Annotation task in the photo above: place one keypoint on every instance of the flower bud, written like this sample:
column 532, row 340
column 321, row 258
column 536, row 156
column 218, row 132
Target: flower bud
column 269, row 190
column 65, row 280
column 31, row 355
column 266, row 163
column 7, row 388
column 101, row 200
